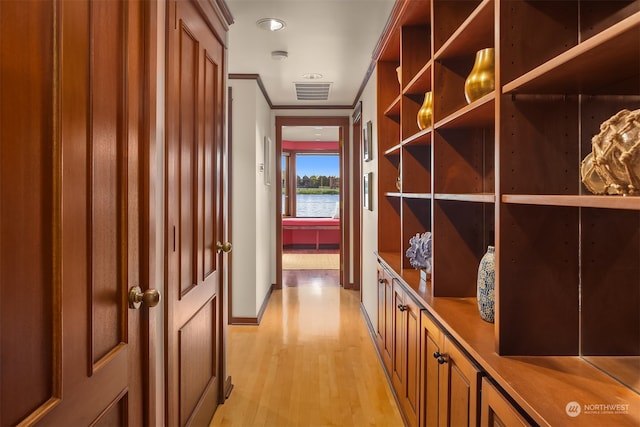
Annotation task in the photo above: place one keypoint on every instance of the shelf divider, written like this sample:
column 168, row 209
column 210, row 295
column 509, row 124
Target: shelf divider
column 589, row 201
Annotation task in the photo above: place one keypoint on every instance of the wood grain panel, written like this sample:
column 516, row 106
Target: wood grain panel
column 447, row 17
column 188, row 161
column 198, row 363
column 398, row 349
column 209, row 146
column 416, row 169
column 412, row 380
column 380, row 331
column 431, row 341
column 387, row 354
column 107, row 119
column 460, row 389
column 449, row 78
column 464, row 161
column 115, row 414
column 497, row 410
column 554, row 23
column 459, row 398
column 545, row 158
column 539, row 277
column 458, row 244
column 610, row 283
column 31, row 361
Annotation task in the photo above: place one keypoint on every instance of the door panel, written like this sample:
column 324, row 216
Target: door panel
column 194, row 144
column 26, row 212
column 197, row 357
column 459, row 388
column 399, row 338
column 105, row 144
column 71, row 136
column 412, row 369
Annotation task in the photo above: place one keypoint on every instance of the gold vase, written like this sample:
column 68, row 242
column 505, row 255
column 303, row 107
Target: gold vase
column 482, row 79
column 425, row 113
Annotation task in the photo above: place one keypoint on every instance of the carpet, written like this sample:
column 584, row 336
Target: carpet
column 311, row 261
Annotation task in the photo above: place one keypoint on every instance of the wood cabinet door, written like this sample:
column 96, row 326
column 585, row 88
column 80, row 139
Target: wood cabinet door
column 411, row 381
column 431, row 342
column 389, row 314
column 194, row 195
column 399, row 348
column 72, row 115
column 380, row 331
column 459, row 389
column 496, row 410
column 406, row 352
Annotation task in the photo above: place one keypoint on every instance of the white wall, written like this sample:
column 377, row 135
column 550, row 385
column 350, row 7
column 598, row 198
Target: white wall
column 250, row 200
column 264, row 208
column 370, row 218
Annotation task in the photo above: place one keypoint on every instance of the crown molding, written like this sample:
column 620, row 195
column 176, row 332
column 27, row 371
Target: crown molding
column 256, row 77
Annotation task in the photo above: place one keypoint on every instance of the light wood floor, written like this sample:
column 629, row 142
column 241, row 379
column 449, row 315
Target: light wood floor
column 311, row 362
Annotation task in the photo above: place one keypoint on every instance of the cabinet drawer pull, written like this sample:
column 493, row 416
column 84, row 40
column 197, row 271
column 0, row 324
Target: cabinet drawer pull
column 402, row 307
column 440, row 357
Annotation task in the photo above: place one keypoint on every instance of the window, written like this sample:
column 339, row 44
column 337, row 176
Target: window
column 286, row 182
column 317, row 184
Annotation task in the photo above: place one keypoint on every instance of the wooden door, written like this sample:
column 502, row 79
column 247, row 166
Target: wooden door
column 194, row 143
column 432, row 341
column 406, row 353
column 71, row 131
column 399, row 349
column 496, row 410
column 380, row 331
column 459, row 389
column 411, row 383
column 389, row 314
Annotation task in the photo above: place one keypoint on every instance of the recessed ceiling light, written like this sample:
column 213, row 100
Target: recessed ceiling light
column 312, row 76
column 271, row 24
column 279, row 55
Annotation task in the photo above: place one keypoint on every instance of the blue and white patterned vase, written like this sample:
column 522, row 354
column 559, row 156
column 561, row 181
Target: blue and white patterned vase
column 486, row 285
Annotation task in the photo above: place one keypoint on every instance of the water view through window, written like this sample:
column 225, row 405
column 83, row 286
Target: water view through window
column 317, row 185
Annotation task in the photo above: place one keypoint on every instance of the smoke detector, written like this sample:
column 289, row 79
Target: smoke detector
column 279, row 55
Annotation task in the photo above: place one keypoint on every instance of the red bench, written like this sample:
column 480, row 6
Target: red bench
column 311, row 231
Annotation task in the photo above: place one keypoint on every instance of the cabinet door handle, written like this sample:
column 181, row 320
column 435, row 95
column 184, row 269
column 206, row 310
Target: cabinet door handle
column 440, row 357
column 381, row 281
column 402, row 307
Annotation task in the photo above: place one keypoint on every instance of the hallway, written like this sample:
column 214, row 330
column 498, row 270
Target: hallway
column 311, row 362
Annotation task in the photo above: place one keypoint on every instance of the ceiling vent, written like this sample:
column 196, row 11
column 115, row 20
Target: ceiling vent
column 312, row 91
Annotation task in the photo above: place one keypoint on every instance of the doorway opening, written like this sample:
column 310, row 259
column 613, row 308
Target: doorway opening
column 310, row 231
column 310, row 198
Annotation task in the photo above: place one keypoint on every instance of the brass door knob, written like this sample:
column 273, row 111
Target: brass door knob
column 150, row 297
column 224, row 247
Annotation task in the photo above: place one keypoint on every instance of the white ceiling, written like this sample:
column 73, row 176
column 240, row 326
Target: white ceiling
column 310, row 133
column 335, row 38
